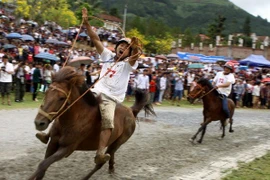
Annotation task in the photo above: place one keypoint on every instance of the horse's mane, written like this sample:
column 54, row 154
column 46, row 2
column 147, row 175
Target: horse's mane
column 69, row 75
column 206, row 82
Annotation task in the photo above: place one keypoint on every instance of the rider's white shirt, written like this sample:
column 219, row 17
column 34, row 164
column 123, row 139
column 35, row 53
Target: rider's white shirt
column 221, row 78
column 114, row 84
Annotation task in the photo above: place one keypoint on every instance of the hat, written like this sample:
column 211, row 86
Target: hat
column 230, row 66
column 126, row 40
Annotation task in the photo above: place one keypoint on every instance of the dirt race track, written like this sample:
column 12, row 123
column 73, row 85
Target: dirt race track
column 158, row 149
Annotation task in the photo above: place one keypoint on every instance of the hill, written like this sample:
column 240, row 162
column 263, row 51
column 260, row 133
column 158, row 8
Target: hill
column 193, row 14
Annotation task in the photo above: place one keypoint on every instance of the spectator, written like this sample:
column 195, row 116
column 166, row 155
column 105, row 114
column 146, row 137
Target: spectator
column 6, row 72
column 20, row 74
column 256, row 95
column 163, row 86
column 152, row 90
column 178, row 90
column 37, row 77
column 47, row 75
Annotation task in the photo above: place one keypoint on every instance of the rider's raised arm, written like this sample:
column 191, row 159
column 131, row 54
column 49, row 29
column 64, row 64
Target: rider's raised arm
column 91, row 33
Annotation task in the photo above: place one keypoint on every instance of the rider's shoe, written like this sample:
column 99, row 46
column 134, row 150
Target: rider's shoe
column 102, row 158
column 43, row 137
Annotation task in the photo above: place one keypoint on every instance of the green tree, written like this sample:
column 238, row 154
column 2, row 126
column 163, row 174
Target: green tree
column 114, row 12
column 216, row 28
column 92, row 10
column 135, row 33
column 188, row 38
column 246, row 27
column 23, row 9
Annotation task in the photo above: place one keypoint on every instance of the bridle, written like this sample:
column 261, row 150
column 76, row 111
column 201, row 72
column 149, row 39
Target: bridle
column 202, row 89
column 51, row 115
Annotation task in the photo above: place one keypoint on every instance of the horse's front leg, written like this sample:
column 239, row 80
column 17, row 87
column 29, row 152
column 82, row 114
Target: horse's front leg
column 199, row 130
column 44, row 165
column 202, row 134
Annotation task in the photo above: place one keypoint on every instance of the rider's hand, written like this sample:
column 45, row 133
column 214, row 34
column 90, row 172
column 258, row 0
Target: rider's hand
column 84, row 16
column 134, row 42
column 216, row 87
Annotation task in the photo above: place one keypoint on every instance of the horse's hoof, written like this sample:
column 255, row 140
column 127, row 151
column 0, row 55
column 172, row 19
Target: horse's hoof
column 200, row 142
column 220, row 138
column 231, row 131
column 191, row 140
column 111, row 171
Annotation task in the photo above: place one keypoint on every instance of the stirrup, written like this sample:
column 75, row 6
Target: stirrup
column 43, row 137
column 102, row 158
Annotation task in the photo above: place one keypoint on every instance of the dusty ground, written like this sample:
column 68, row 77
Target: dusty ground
column 158, row 149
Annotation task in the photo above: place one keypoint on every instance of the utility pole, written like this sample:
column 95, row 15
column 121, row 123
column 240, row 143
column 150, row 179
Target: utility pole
column 125, row 18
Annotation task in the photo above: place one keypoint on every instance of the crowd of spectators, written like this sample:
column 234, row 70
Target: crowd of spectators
column 163, row 78
column 22, row 72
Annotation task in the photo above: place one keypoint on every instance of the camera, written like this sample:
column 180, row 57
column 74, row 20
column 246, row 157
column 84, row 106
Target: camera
column 3, row 68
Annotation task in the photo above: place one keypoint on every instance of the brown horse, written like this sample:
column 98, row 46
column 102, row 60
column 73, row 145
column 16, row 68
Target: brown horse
column 78, row 128
column 212, row 107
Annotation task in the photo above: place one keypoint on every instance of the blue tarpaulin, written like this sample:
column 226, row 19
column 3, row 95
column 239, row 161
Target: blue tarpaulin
column 201, row 57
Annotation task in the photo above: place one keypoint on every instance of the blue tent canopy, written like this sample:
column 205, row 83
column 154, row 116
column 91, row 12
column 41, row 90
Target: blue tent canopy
column 255, row 60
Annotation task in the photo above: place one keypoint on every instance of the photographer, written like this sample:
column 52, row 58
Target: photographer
column 6, row 79
column 20, row 72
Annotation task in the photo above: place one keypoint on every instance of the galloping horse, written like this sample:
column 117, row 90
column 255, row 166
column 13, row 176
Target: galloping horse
column 212, row 107
column 78, row 128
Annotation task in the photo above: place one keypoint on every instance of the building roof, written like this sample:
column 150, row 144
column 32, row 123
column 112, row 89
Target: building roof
column 110, row 18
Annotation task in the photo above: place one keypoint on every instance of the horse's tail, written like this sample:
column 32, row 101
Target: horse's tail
column 141, row 102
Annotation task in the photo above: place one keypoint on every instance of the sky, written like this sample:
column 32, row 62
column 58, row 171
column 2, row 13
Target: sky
column 255, row 7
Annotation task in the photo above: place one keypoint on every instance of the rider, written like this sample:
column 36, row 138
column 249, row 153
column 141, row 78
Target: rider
column 112, row 85
column 223, row 82
column 113, row 81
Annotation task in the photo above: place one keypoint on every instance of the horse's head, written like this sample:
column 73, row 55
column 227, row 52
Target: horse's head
column 201, row 89
column 58, row 97
column 197, row 92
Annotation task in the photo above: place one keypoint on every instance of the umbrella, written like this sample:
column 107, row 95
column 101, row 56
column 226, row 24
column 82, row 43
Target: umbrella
column 9, row 46
column 14, row 36
column 26, row 37
column 196, row 66
column 3, row 17
column 45, row 55
column 83, row 34
column 217, row 68
column 266, row 80
column 51, row 41
column 174, row 56
column 161, row 57
column 80, row 60
column 62, row 43
column 141, row 66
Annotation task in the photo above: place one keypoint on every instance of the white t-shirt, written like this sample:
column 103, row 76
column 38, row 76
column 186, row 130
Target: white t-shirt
column 4, row 76
column 1, row 55
column 56, row 67
column 190, row 78
column 115, row 83
column 256, row 90
column 142, row 81
column 221, row 78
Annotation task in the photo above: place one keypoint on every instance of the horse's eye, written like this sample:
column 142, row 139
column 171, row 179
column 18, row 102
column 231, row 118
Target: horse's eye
column 62, row 98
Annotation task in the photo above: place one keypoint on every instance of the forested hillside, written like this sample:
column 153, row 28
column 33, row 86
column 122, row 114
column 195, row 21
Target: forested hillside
column 193, row 14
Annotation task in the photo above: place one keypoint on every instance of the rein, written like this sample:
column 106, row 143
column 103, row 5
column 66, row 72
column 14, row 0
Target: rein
column 201, row 90
column 52, row 115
